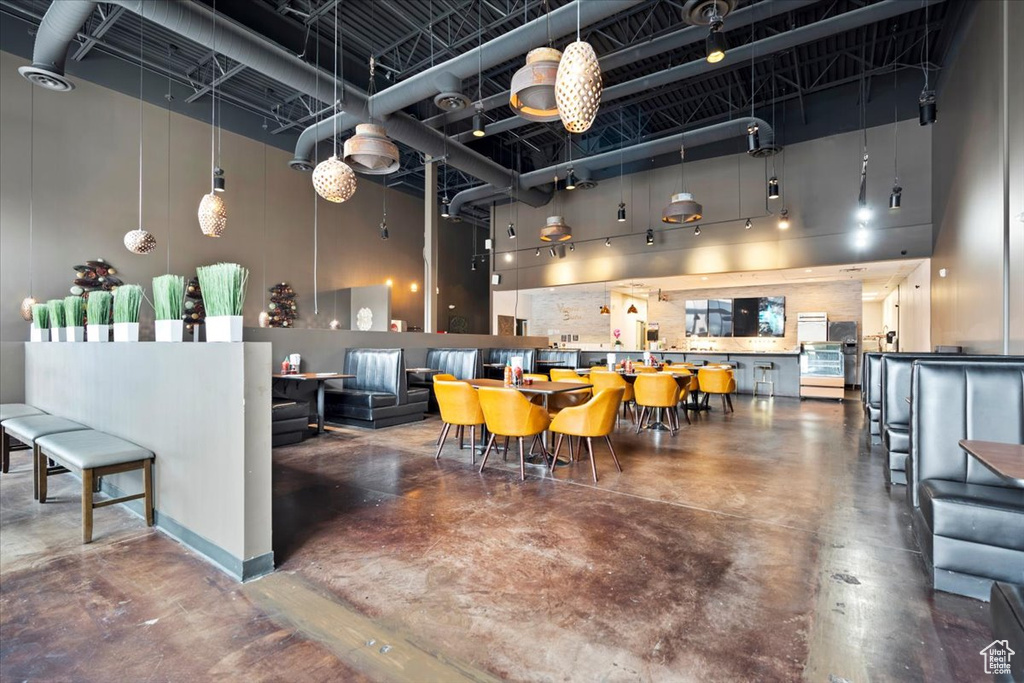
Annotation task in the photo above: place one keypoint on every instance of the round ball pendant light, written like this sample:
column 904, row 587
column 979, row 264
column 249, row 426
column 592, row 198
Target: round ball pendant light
column 532, row 95
column 334, row 180
column 26, row 308
column 139, row 241
column 213, row 215
column 682, row 209
column 370, row 151
column 578, row 87
column 555, row 230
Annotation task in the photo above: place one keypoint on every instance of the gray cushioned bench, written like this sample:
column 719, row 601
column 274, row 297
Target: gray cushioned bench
column 96, row 454
column 30, row 428
column 9, row 411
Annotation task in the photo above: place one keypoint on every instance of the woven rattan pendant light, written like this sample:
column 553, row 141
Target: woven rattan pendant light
column 333, row 179
column 578, row 84
column 213, row 213
column 140, row 241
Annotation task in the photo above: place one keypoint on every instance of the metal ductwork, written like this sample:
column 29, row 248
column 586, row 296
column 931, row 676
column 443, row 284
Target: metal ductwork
column 882, row 11
column 196, row 23
column 645, row 150
column 425, row 84
column 654, row 46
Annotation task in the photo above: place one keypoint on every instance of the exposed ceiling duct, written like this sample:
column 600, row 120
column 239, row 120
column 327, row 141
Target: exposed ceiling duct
column 871, row 14
column 645, row 150
column 690, row 35
column 424, row 85
column 195, row 22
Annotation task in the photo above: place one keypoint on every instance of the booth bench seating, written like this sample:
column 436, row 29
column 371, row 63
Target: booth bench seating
column 968, row 521
column 76, row 447
column 379, row 396
column 460, row 363
column 10, row 411
column 565, row 358
column 871, row 388
column 289, row 421
column 502, row 356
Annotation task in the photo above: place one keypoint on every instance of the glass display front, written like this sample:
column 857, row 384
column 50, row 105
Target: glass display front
column 822, row 359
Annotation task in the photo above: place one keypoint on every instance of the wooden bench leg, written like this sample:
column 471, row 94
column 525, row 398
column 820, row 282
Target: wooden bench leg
column 147, row 480
column 87, row 506
column 41, row 473
column 35, row 472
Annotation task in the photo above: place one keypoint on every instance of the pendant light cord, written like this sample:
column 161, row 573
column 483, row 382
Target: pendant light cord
column 334, row 102
column 316, row 196
column 168, row 97
column 577, row 21
column 895, row 114
column 213, row 100
column 142, row 32
column 480, row 53
column 31, row 184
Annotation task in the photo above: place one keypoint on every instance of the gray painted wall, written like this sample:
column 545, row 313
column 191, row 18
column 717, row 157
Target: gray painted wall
column 968, row 187
column 203, row 409
column 820, row 183
column 377, row 299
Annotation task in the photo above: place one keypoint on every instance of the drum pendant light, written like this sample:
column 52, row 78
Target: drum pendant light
column 370, row 151
column 555, row 228
column 683, row 208
column 578, row 84
column 213, row 213
column 532, row 95
column 333, row 179
column 140, row 241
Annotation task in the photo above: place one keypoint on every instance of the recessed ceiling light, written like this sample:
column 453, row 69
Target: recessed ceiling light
column 705, row 277
column 809, row 270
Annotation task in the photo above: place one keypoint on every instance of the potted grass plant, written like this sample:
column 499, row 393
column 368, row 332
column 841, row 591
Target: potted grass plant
column 74, row 318
column 40, row 323
column 97, row 309
column 127, row 301
column 223, row 286
column 57, row 324
column 168, row 294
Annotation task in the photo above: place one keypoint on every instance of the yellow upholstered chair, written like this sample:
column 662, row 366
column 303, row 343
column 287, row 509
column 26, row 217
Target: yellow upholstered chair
column 535, row 376
column 685, row 379
column 595, row 418
column 602, row 379
column 444, row 377
column 459, row 406
column 640, row 369
column 565, row 375
column 718, row 381
column 654, row 391
column 507, row 413
column 598, row 368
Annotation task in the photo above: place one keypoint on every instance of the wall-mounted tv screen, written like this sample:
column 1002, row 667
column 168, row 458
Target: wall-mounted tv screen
column 720, row 317
column 771, row 316
column 697, row 317
column 745, row 317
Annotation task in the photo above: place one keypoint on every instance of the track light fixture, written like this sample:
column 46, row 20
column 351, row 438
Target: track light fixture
column 748, row 225
column 537, row 253
column 551, row 250
column 622, row 213
column 696, row 231
column 607, row 241
column 511, row 231
column 715, row 43
column 472, row 265
column 572, row 246
column 784, row 219
column 773, row 188
column 650, row 237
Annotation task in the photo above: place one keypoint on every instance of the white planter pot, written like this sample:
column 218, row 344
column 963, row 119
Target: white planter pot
column 97, row 333
column 169, row 330
column 39, row 334
column 126, row 332
column 74, row 334
column 56, row 334
column 224, row 328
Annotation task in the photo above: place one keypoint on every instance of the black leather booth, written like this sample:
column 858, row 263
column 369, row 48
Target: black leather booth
column 289, row 421
column 501, row 357
column 895, row 371
column 462, row 363
column 1007, row 610
column 379, row 395
column 559, row 358
column 871, row 392
column 968, row 521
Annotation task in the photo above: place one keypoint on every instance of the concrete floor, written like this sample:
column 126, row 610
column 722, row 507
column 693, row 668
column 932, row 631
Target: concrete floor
column 761, row 545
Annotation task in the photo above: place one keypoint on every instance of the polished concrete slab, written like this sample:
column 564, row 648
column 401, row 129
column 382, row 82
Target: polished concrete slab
column 758, row 545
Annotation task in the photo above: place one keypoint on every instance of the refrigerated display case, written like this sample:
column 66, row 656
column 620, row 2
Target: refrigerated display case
column 822, row 370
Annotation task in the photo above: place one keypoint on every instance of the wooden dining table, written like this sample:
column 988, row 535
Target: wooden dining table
column 1005, row 460
column 319, row 378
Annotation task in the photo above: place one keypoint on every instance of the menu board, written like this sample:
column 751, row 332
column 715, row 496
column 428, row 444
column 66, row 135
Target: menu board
column 747, row 317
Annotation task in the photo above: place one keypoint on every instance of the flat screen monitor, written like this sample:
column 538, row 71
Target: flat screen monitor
column 720, row 317
column 745, row 317
column 697, row 317
column 771, row 316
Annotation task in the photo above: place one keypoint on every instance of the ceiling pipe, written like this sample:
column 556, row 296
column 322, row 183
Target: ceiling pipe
column 424, row 85
column 689, row 35
column 645, row 150
column 887, row 9
column 195, row 22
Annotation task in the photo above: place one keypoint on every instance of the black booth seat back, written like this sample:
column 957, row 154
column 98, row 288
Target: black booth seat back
column 894, row 372
column 463, row 363
column 380, row 370
column 955, row 400
column 502, row 356
column 871, row 378
column 569, row 358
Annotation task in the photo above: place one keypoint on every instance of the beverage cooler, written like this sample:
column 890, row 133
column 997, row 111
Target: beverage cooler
column 822, row 371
